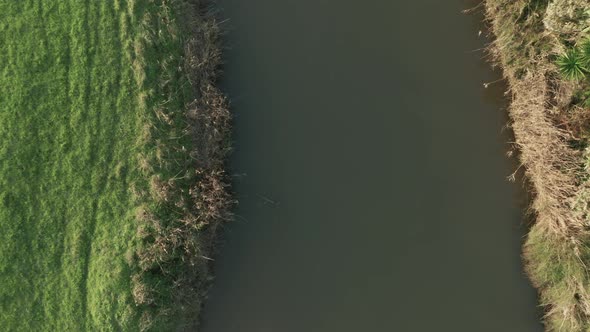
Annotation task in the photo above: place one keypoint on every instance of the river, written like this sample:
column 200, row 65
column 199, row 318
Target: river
column 370, row 165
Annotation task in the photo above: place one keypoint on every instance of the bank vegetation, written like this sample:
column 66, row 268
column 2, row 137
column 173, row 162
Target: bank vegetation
column 185, row 138
column 539, row 44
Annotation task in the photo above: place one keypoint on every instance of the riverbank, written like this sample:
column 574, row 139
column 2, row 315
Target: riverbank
column 112, row 164
column 550, row 119
column 186, row 139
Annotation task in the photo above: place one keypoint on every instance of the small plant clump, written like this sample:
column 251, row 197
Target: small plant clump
column 572, row 65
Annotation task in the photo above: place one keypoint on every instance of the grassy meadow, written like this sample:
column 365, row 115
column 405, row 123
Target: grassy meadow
column 111, row 163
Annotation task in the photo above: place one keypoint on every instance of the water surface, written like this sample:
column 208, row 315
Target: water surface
column 371, row 172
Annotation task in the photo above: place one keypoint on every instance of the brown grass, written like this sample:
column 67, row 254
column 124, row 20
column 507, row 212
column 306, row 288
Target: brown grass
column 539, row 98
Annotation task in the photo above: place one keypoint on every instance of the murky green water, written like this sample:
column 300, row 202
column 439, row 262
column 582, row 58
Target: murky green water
column 371, row 172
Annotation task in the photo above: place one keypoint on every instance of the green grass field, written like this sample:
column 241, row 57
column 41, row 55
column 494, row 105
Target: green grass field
column 94, row 133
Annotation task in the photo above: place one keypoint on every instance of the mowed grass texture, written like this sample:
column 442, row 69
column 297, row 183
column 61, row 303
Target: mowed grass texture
column 103, row 180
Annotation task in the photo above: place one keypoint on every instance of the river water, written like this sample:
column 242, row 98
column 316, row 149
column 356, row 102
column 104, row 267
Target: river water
column 370, row 165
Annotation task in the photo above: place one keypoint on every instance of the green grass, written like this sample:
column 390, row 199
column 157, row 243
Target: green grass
column 93, row 100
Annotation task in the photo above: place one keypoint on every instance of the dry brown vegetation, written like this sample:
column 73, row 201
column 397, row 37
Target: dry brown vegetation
column 550, row 131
